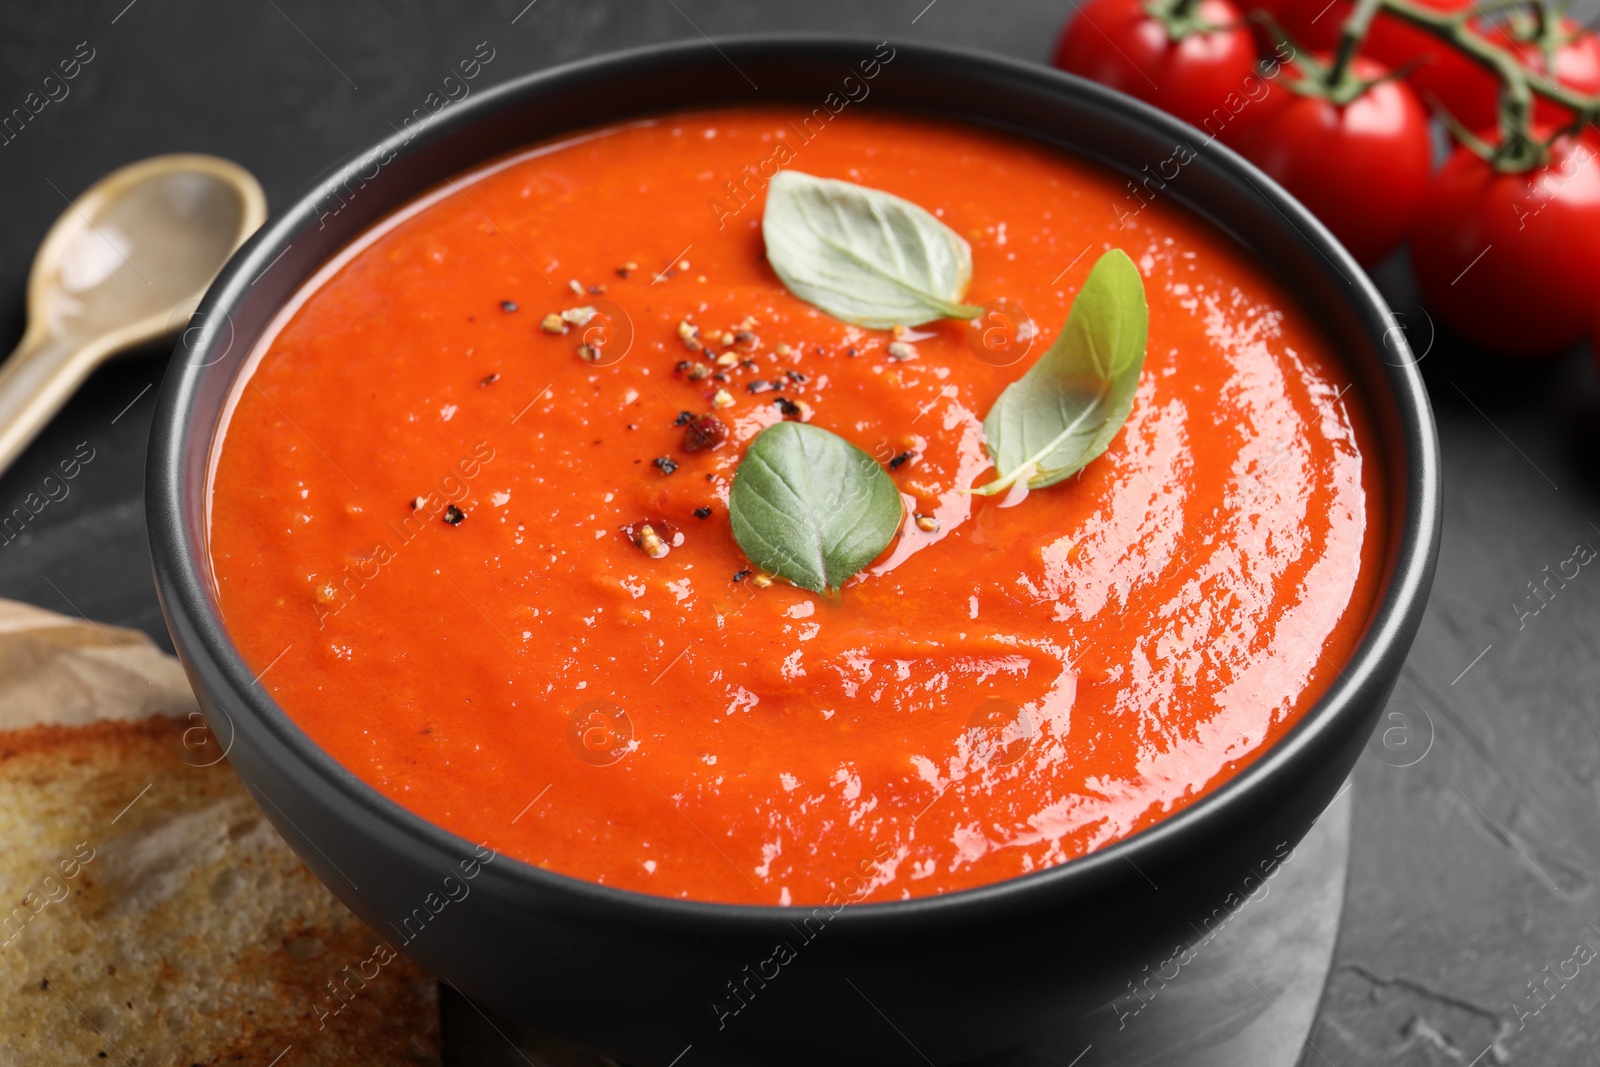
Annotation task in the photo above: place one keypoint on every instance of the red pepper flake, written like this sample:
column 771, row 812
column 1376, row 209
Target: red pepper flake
column 508, row 306
column 901, row 460
column 491, row 379
column 666, row 464
column 683, row 417
column 453, row 515
column 795, row 376
column 706, row 431
column 761, row 385
column 702, row 512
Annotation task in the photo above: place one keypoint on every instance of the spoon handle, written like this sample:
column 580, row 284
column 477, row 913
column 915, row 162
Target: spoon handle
column 42, row 373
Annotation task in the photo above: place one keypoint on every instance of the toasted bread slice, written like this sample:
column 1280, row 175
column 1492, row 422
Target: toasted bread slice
column 150, row 916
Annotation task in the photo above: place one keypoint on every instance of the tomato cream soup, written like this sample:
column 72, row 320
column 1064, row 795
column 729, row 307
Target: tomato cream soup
column 428, row 505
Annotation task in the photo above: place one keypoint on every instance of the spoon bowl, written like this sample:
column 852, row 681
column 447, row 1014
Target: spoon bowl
column 123, row 266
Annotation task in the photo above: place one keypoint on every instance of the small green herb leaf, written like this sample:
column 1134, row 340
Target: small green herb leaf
column 810, row 506
column 864, row 255
column 1060, row 415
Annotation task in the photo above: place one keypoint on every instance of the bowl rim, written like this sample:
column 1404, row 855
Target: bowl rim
column 181, row 568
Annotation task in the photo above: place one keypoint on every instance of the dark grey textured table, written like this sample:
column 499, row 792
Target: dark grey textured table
column 1473, row 871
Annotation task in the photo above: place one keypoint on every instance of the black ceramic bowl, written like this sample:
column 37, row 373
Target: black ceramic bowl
column 641, row 978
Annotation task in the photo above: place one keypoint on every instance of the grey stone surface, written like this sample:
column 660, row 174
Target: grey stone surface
column 1245, row 993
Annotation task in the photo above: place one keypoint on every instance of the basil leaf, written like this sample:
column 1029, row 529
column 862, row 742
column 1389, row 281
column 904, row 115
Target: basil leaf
column 1050, row 423
column 810, row 506
column 864, row 255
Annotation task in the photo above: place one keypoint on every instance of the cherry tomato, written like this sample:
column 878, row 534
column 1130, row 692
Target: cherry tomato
column 1467, row 90
column 1317, row 26
column 1309, row 24
column 1436, row 67
column 1361, row 167
column 1208, row 78
column 1472, row 94
column 1512, row 261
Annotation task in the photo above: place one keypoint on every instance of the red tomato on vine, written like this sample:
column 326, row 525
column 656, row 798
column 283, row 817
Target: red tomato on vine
column 1191, row 58
column 1471, row 93
column 1512, row 261
column 1465, row 89
column 1309, row 24
column 1361, row 166
column 1316, row 24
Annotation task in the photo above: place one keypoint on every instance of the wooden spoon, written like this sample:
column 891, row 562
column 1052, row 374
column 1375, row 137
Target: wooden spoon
column 125, row 265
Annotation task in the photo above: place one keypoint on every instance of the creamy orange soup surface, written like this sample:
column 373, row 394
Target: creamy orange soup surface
column 426, row 513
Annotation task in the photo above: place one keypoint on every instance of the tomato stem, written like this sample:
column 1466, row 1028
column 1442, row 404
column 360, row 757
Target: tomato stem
column 1179, row 18
column 1341, row 86
column 1541, row 31
column 1520, row 82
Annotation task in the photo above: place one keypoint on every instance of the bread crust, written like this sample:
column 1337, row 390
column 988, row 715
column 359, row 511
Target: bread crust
column 151, row 916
